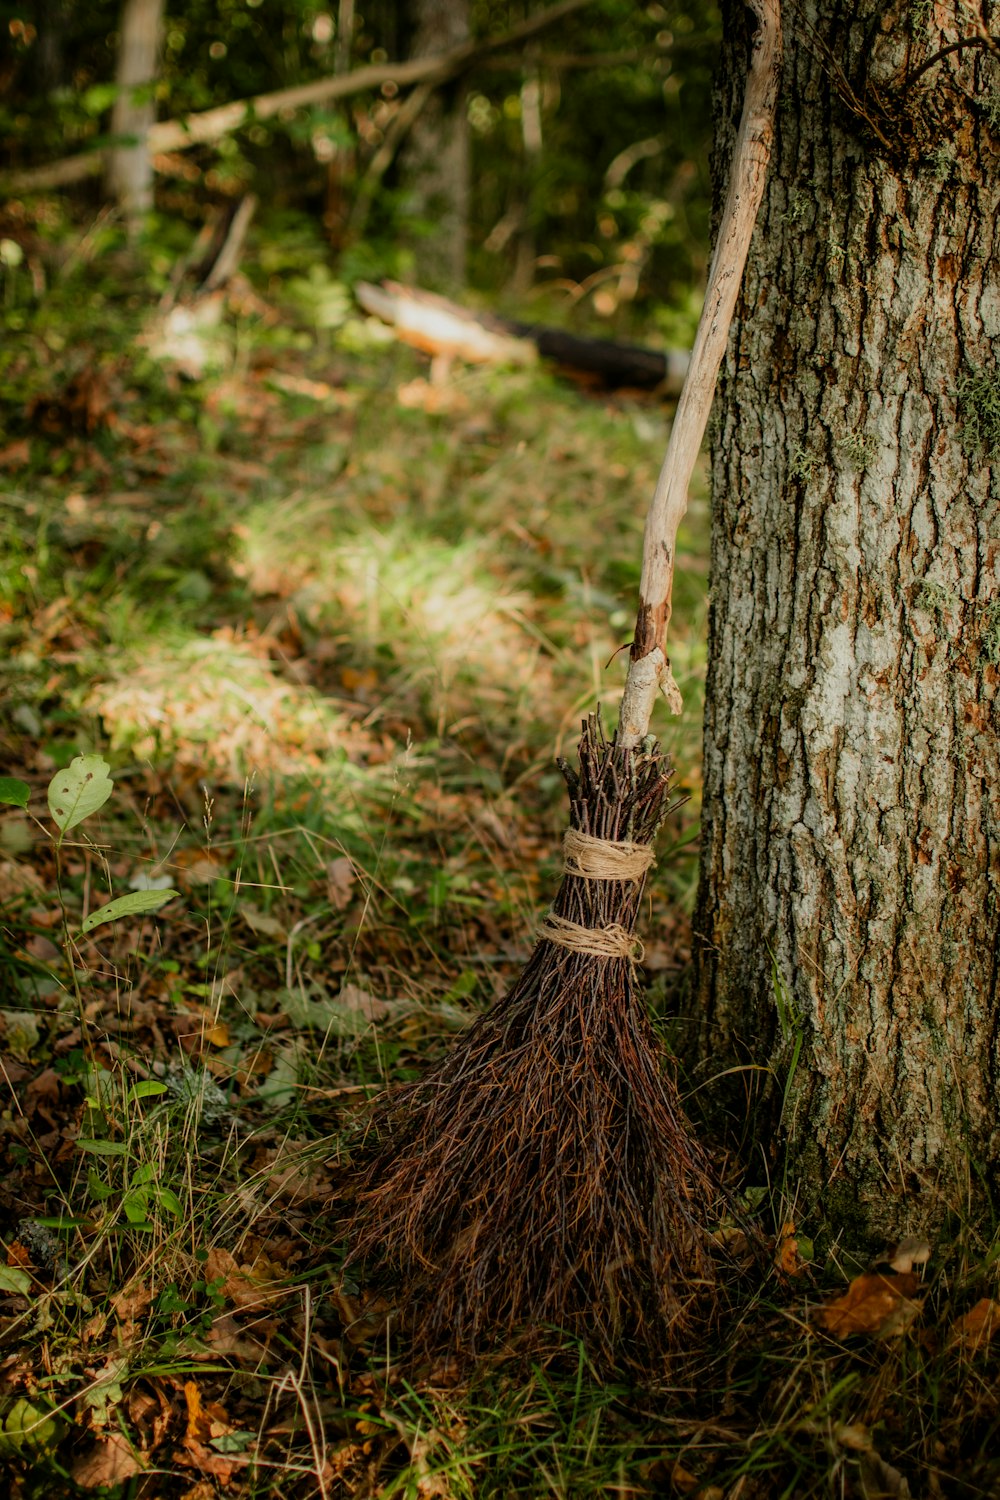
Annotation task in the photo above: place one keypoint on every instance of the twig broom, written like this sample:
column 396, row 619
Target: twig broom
column 544, row 1174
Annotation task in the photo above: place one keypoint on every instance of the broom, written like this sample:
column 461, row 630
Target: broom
column 543, row 1174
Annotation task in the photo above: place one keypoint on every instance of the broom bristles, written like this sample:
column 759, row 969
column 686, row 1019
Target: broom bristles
column 543, row 1175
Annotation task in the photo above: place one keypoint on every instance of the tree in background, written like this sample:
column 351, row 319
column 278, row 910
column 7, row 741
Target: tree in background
column 557, row 191
column 130, row 168
column 435, row 159
column 851, row 856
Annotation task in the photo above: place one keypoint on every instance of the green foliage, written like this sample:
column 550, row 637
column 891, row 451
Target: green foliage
column 14, row 793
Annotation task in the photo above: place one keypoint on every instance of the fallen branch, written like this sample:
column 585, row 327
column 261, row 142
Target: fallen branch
column 211, row 124
column 437, row 326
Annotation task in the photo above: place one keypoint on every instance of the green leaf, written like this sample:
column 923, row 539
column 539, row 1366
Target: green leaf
column 136, row 1207
column 26, row 1428
column 143, row 1174
column 148, row 1089
column 101, row 1148
column 233, row 1442
column 128, row 906
column 170, row 1201
column 15, row 793
column 12, row 1279
column 98, row 1189
column 78, row 791
column 99, row 97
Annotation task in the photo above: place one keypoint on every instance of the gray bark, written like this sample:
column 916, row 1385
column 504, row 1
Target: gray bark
column 130, row 168
column 435, row 161
column 850, row 888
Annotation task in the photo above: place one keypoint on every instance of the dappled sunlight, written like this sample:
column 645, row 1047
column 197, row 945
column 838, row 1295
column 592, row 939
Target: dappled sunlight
column 428, row 617
column 220, row 704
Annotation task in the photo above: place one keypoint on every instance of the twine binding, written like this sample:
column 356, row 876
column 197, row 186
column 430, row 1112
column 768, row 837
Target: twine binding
column 591, row 858
column 613, row 941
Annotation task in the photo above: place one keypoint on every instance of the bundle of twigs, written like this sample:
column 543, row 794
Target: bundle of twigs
column 544, row 1174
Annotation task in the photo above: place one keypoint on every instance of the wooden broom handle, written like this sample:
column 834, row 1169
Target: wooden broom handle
column 649, row 670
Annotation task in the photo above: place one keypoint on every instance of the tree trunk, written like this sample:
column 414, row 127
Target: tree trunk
column 851, row 840
column 435, row 162
column 130, row 168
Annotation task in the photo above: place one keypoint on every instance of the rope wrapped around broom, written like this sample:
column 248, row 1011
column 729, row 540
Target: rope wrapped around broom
column 543, row 1175
column 599, row 859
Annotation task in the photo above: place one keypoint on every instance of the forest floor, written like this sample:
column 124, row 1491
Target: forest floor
column 330, row 623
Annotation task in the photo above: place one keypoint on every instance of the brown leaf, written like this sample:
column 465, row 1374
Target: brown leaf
column 340, row 880
column 226, row 1337
column 109, row 1462
column 977, row 1326
column 787, row 1260
column 873, row 1304
column 244, row 1286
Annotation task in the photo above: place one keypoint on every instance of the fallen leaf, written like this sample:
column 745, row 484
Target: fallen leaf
column 260, row 921
column 245, row 1286
column 880, row 1478
column 787, row 1260
column 132, row 1303
column 358, row 684
column 853, row 1436
column 977, row 1326
column 110, row 1462
column 873, row 1304
column 340, row 880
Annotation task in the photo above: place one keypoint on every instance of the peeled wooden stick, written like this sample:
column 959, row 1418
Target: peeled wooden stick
column 649, row 669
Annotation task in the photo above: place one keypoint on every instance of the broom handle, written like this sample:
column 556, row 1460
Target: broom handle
column 649, row 669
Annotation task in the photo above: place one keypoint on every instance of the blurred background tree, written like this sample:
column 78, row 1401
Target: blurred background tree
column 571, row 170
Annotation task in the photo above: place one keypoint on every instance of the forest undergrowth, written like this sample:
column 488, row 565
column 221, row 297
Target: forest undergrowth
column 328, row 621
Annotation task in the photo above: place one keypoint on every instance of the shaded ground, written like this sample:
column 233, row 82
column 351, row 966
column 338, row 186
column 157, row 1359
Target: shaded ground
column 329, row 623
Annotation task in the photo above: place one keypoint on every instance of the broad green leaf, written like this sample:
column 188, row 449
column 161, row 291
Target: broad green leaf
column 128, row 906
column 170, row 1201
column 98, row 1189
column 101, row 1148
column 143, row 1174
column 13, row 1279
column 13, row 792
column 148, row 1089
column 26, row 1429
column 136, row 1207
column 78, row 791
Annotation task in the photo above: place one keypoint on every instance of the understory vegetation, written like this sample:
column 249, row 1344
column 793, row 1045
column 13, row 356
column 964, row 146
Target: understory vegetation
column 329, row 621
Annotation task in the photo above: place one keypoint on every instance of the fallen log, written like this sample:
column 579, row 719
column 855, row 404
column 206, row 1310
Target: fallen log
column 440, row 327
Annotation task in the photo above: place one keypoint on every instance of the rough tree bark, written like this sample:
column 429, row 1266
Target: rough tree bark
column 848, row 908
column 435, row 161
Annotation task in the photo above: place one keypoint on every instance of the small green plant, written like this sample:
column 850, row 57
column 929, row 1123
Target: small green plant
column 979, row 410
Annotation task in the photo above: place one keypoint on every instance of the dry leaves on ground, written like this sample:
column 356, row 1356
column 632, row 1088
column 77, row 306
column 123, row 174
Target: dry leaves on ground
column 976, row 1327
column 881, row 1305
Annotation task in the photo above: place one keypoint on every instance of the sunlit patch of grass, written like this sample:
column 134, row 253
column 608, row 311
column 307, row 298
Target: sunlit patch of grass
column 219, row 702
